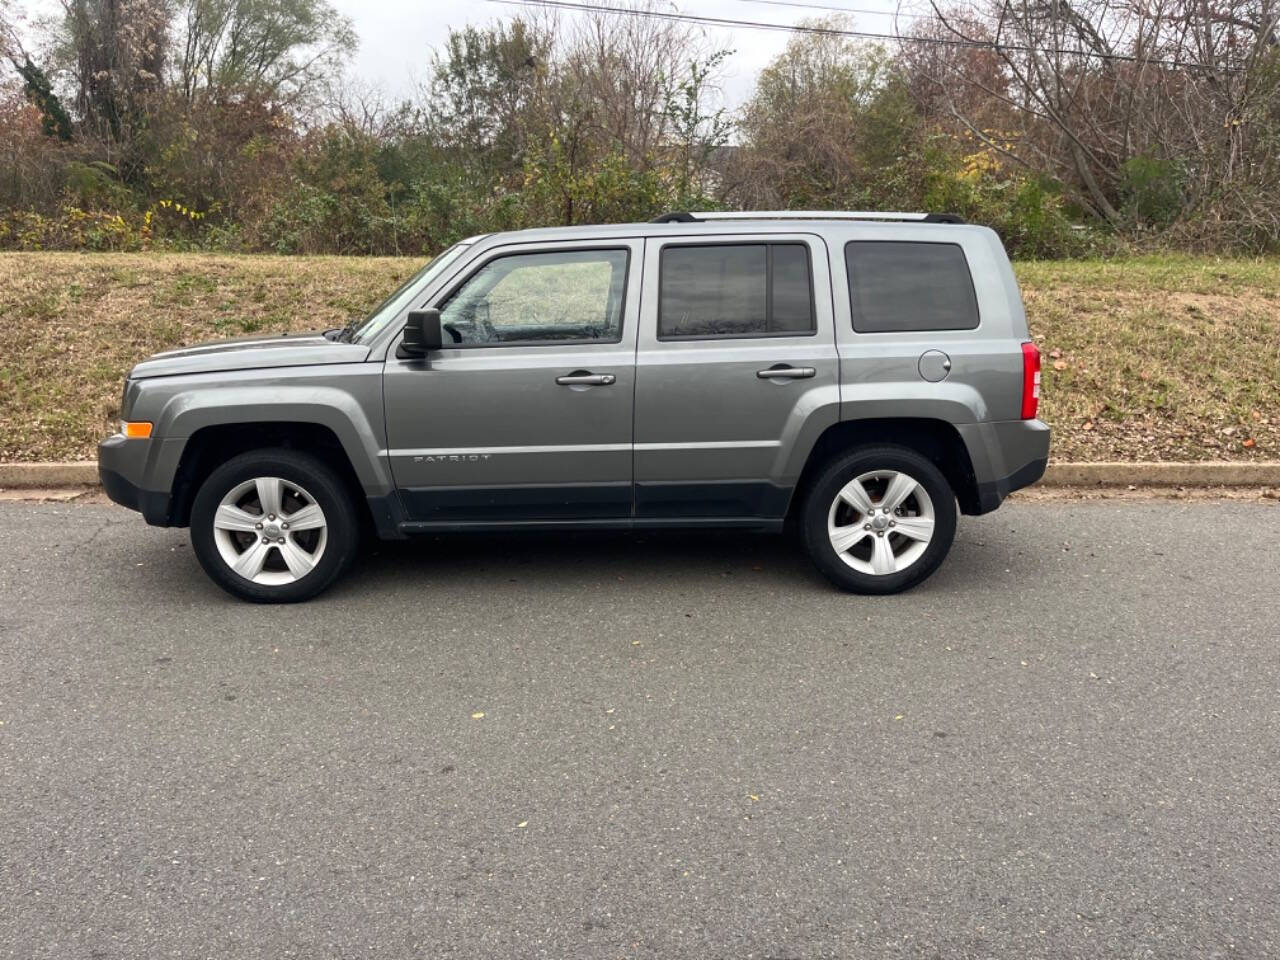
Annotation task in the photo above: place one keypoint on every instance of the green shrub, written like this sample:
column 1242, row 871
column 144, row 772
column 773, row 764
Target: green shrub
column 1153, row 190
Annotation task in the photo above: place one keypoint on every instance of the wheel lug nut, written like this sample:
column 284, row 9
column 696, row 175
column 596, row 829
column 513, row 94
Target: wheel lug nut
column 271, row 517
column 257, row 526
column 891, row 523
column 284, row 526
column 879, row 533
column 281, row 540
column 265, row 540
column 866, row 526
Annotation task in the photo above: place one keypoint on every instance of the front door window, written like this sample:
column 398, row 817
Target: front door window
column 568, row 296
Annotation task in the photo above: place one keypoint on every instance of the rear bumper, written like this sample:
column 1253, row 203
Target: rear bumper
column 120, row 460
column 1006, row 456
column 992, row 493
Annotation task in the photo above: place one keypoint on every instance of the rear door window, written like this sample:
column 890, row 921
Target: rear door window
column 735, row 290
column 899, row 286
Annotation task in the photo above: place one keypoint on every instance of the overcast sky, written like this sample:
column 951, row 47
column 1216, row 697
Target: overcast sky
column 397, row 36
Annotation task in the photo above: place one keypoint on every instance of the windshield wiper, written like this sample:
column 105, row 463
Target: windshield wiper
column 344, row 334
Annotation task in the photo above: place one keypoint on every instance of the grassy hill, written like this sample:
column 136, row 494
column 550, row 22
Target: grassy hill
column 1156, row 358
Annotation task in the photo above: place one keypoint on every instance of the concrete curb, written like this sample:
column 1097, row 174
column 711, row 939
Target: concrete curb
column 80, row 473
column 1208, row 473
column 46, row 476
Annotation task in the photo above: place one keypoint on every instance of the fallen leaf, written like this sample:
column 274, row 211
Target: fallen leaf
column 899, row 716
column 478, row 715
column 1059, row 364
column 522, row 824
column 1055, row 353
column 1250, row 443
column 1088, row 425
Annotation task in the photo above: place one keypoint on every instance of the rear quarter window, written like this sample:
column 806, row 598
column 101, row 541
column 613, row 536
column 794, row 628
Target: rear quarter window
column 904, row 286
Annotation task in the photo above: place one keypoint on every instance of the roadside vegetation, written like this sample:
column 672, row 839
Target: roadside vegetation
column 1078, row 128
column 1171, row 357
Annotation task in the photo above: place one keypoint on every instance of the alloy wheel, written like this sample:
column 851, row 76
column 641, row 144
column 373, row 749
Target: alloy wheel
column 881, row 522
column 270, row 531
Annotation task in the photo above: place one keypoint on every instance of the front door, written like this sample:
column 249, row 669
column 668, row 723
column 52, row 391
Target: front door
column 526, row 413
column 736, row 374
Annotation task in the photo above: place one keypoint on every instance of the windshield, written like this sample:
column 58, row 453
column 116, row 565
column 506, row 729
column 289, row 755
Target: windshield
column 385, row 312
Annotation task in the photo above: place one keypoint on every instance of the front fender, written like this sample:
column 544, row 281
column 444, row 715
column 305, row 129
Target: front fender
column 344, row 398
column 331, row 407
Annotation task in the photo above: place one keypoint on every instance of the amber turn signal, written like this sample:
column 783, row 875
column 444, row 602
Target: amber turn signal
column 139, row 430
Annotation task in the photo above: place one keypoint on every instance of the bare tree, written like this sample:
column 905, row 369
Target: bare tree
column 811, row 132
column 279, row 50
column 116, row 52
column 1117, row 99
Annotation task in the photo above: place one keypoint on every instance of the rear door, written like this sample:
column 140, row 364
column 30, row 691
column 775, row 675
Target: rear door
column 526, row 414
column 736, row 369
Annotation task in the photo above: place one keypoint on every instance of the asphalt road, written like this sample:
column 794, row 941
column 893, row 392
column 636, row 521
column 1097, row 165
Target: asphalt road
column 1063, row 745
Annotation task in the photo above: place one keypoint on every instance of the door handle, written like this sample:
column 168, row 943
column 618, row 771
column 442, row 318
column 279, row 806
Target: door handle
column 786, row 373
column 587, row 379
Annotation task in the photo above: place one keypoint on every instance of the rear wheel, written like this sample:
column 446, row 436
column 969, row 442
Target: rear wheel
column 273, row 526
column 879, row 520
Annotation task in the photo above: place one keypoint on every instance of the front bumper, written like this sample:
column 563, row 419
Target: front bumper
column 121, row 464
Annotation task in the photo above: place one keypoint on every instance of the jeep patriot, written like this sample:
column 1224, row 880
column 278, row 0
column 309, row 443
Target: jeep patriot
column 861, row 378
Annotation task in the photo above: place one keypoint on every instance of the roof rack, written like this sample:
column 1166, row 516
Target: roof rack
column 680, row 216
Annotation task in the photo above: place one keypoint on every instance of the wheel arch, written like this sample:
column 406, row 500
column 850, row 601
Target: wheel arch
column 935, row 439
column 212, row 445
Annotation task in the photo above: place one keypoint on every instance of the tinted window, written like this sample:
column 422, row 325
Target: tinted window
column 792, row 306
column 909, row 286
column 548, row 297
column 735, row 290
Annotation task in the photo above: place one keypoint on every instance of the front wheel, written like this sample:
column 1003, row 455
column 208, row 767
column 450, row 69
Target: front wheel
column 879, row 520
column 273, row 526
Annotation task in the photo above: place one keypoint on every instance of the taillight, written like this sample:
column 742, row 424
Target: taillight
column 1030, row 381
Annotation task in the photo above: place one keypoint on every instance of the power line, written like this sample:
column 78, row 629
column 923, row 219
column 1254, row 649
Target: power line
column 837, row 32
column 727, row 22
column 824, row 6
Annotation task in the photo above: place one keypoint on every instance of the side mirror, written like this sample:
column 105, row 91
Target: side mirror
column 421, row 333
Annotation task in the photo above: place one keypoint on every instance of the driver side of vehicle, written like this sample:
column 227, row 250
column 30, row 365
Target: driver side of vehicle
column 525, row 414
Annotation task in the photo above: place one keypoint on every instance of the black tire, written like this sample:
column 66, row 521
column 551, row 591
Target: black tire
column 311, row 475
column 818, row 509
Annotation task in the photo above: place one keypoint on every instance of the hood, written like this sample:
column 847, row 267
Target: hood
column 249, row 353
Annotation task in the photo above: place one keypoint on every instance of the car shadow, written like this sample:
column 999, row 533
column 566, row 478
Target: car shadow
column 553, row 557
column 675, row 559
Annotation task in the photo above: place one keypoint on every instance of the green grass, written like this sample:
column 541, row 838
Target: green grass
column 1159, row 358
column 1154, row 358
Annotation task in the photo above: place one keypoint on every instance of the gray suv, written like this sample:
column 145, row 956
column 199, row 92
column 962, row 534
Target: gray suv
column 859, row 377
